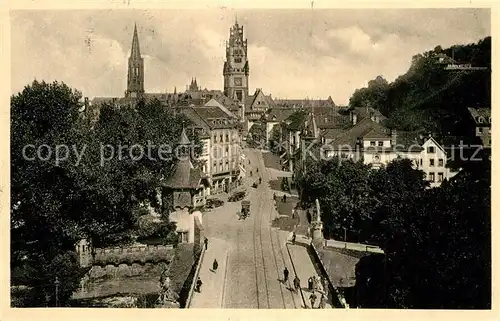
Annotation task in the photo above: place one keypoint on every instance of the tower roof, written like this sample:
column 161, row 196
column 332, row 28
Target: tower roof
column 135, row 51
column 184, row 139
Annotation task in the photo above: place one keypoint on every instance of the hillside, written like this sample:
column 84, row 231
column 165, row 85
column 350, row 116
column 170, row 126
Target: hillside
column 428, row 97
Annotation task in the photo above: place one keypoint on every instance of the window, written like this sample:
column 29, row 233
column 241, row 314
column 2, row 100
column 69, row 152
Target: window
column 441, row 162
column 421, row 162
column 227, row 138
column 480, row 120
column 372, row 144
column 227, row 151
column 431, row 149
column 237, row 59
column 183, row 237
column 440, row 177
column 214, row 138
column 221, row 138
column 215, row 166
column 380, row 144
column 239, row 95
column 431, row 162
column 431, row 177
column 480, row 130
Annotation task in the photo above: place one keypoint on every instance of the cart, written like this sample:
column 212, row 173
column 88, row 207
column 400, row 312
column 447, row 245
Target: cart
column 245, row 208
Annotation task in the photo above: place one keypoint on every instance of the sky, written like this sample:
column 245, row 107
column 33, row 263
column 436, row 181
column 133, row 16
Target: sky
column 293, row 54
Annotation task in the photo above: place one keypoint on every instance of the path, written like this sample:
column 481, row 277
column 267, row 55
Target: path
column 212, row 290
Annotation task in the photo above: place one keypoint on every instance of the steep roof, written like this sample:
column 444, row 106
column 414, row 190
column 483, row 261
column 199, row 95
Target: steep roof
column 184, row 175
column 367, row 112
column 279, row 114
column 184, row 139
column 215, row 117
column 480, row 112
column 305, row 102
column 351, row 135
column 250, row 100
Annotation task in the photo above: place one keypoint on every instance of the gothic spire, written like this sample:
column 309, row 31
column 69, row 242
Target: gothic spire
column 135, row 52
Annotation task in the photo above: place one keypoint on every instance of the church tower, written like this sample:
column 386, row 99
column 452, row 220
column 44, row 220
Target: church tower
column 236, row 68
column 135, row 80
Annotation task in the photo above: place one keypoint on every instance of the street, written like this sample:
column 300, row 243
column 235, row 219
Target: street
column 256, row 253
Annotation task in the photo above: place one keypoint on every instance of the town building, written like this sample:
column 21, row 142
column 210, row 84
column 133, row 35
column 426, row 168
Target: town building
column 360, row 136
column 219, row 132
column 482, row 124
column 236, row 68
column 185, row 191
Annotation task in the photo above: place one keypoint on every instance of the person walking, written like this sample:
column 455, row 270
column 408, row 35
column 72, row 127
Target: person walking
column 284, row 198
column 310, row 283
column 322, row 302
column 198, row 285
column 285, row 275
column 296, row 283
column 294, row 236
column 312, row 298
column 215, row 265
column 206, row 243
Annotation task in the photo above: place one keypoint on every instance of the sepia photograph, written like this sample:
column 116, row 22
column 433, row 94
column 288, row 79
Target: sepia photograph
column 244, row 158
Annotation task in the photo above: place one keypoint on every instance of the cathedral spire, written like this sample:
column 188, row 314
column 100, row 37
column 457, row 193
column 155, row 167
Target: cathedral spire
column 135, row 80
column 135, row 52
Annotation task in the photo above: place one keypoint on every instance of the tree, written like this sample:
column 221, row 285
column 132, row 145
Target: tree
column 94, row 194
column 439, row 255
column 341, row 186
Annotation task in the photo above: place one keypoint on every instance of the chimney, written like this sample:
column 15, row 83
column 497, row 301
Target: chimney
column 394, row 136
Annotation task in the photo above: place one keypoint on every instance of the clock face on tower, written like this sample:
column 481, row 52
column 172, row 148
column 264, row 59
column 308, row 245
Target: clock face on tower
column 237, row 81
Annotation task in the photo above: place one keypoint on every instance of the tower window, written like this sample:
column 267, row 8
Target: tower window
column 237, row 60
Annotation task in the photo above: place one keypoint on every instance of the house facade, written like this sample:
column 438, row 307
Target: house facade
column 221, row 155
column 482, row 124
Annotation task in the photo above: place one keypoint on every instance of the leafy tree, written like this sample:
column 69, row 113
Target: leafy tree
column 429, row 97
column 93, row 194
column 341, row 187
column 439, row 255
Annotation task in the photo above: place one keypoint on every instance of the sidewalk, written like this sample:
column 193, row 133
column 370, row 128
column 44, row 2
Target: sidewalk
column 212, row 289
column 304, row 267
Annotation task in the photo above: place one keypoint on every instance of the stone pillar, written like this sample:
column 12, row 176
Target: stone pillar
column 84, row 252
column 317, row 228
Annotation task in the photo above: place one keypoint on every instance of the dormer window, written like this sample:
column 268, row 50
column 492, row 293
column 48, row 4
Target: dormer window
column 489, row 120
column 480, row 120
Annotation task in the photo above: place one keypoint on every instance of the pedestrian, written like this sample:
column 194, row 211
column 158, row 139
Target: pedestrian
column 322, row 302
column 310, row 283
column 293, row 237
column 285, row 275
column 284, row 198
column 215, row 265
column 257, row 170
column 296, row 283
column 198, row 285
column 250, row 173
column 206, row 243
column 274, row 197
column 260, row 180
column 312, row 298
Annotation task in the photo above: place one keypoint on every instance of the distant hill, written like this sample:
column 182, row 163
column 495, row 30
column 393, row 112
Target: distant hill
column 428, row 97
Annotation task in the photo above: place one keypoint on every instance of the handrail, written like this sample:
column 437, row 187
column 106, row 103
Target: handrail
column 340, row 298
column 195, row 277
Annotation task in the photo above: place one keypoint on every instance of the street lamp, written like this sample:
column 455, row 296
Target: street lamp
column 57, row 290
column 345, row 236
